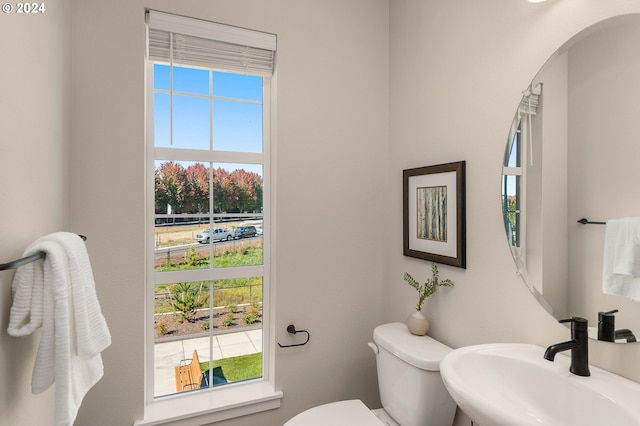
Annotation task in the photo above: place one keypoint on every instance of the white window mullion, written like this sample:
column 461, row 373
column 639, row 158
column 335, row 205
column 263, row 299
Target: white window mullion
column 512, row 171
column 198, row 155
column 194, row 275
column 171, row 89
column 211, row 110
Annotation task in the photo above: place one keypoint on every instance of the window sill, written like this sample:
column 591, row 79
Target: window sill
column 210, row 406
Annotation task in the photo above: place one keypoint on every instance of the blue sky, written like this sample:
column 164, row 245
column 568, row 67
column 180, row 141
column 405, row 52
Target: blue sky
column 235, row 101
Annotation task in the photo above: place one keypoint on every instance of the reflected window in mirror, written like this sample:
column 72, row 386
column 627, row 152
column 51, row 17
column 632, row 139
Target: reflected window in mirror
column 511, row 189
column 518, row 155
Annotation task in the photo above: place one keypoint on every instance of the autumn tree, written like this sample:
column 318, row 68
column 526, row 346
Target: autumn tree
column 187, row 190
column 220, row 183
column 170, row 187
column 247, row 190
column 197, row 188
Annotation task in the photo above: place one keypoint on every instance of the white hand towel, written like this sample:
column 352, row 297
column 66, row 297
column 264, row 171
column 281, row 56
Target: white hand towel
column 621, row 262
column 59, row 296
column 627, row 247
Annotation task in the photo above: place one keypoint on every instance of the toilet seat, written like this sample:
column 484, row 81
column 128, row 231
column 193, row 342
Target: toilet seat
column 341, row 413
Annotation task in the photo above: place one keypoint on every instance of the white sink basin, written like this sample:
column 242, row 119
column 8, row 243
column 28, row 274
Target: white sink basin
column 512, row 384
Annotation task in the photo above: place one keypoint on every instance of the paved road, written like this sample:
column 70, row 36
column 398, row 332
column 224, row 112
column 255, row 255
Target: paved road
column 162, row 252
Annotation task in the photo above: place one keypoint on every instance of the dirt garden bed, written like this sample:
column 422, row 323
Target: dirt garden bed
column 170, row 325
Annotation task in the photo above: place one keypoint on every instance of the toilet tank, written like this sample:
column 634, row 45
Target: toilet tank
column 411, row 389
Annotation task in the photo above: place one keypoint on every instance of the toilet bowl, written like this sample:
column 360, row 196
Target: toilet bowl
column 409, row 382
column 352, row 412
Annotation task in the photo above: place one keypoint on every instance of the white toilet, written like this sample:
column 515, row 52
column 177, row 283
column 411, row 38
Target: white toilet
column 409, row 382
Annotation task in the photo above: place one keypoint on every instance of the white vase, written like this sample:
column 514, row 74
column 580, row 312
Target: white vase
column 418, row 324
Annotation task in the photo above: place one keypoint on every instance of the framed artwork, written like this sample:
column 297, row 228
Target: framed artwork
column 434, row 221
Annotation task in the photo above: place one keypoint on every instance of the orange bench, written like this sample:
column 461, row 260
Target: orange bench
column 189, row 374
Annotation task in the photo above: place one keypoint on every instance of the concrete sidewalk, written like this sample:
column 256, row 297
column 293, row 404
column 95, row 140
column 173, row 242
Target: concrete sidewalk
column 168, row 355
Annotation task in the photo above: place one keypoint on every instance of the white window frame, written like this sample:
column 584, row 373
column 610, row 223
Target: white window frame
column 236, row 399
column 519, row 251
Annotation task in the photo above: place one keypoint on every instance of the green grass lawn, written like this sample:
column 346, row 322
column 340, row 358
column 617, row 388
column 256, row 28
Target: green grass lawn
column 238, row 368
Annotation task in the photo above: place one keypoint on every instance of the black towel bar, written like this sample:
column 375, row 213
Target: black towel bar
column 27, row 259
column 586, row 221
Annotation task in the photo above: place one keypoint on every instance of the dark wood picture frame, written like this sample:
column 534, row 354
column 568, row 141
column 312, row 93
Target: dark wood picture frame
column 434, row 217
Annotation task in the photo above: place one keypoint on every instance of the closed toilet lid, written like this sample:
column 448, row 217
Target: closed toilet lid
column 422, row 352
column 342, row 413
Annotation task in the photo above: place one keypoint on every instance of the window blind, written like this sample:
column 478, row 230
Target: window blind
column 194, row 42
column 531, row 100
column 529, row 104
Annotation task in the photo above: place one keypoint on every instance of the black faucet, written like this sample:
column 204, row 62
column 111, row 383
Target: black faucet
column 579, row 345
column 607, row 328
column 626, row 334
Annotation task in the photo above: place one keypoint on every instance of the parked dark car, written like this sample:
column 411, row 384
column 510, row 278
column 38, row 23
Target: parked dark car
column 244, row 231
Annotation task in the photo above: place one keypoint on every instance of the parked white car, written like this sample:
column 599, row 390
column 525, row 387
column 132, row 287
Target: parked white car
column 219, row 234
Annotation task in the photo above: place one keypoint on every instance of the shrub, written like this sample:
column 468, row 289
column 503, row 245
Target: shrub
column 191, row 257
column 250, row 317
column 228, row 320
column 161, row 328
column 187, row 298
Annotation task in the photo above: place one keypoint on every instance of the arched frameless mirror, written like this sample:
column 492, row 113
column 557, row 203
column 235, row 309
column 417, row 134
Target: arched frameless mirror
column 573, row 152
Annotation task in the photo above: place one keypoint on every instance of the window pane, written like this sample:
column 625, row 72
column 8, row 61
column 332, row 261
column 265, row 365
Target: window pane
column 161, row 77
column 190, row 80
column 171, row 354
column 237, row 86
column 237, row 188
column 238, row 329
column 190, row 122
column 182, row 187
column 243, row 293
column 181, row 190
column 514, row 152
column 182, row 309
column 245, row 248
column 187, row 326
column 511, row 208
column 161, row 120
column 177, row 243
column 237, row 201
column 237, row 126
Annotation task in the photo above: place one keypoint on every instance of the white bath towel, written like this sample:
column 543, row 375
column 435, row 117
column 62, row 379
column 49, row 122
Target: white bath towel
column 58, row 295
column 621, row 262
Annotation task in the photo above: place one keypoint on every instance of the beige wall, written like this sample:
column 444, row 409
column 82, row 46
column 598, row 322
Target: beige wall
column 390, row 85
column 34, row 193
column 331, row 159
column 457, row 74
column 108, row 192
